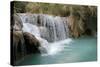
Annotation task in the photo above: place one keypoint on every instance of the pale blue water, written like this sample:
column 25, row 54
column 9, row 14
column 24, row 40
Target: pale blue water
column 82, row 49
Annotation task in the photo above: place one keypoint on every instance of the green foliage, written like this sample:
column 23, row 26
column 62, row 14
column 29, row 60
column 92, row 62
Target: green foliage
column 19, row 7
column 54, row 9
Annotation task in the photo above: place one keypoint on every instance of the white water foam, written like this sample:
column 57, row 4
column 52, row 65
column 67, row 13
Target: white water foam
column 57, row 47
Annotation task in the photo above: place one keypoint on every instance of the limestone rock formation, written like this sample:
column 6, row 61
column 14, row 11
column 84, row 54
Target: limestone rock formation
column 32, row 44
column 16, row 23
column 76, row 26
column 17, row 47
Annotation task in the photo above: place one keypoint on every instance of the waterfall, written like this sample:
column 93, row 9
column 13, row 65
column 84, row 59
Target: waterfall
column 56, row 26
column 51, row 31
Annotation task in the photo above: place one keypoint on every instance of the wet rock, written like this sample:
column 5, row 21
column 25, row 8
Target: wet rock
column 91, row 25
column 17, row 46
column 76, row 26
column 32, row 44
column 16, row 23
column 23, row 43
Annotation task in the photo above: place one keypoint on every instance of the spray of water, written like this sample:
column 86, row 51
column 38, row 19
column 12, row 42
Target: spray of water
column 57, row 47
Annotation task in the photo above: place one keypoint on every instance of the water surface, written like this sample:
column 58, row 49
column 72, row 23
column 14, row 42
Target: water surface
column 79, row 50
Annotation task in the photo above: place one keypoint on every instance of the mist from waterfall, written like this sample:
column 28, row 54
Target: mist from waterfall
column 52, row 32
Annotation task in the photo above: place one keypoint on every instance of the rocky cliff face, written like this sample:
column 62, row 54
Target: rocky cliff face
column 16, row 23
column 82, row 26
column 76, row 26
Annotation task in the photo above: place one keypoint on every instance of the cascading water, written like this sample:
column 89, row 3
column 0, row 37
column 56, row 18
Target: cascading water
column 52, row 32
column 56, row 26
